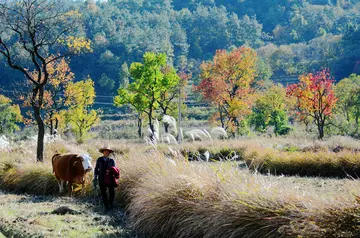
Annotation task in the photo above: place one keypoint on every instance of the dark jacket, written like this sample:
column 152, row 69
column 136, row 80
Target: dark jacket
column 101, row 167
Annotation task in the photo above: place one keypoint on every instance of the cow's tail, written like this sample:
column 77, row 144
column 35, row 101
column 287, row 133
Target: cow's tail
column 52, row 161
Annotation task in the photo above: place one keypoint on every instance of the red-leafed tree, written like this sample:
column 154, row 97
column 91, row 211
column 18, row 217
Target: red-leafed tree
column 315, row 98
column 226, row 83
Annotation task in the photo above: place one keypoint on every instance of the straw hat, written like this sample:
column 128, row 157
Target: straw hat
column 105, row 147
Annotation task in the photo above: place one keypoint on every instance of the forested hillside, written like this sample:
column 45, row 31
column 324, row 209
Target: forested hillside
column 290, row 36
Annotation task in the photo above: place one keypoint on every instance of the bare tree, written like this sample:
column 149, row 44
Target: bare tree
column 38, row 28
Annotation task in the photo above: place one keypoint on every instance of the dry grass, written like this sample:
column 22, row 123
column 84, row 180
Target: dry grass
column 323, row 163
column 172, row 197
column 282, row 156
column 195, row 200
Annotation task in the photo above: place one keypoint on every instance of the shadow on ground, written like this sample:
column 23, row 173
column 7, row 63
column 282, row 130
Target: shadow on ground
column 115, row 222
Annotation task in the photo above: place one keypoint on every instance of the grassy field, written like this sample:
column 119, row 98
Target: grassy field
column 166, row 195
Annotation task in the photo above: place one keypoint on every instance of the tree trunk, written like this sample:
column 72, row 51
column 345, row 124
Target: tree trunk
column 56, row 124
column 41, row 133
column 37, row 98
column 152, row 136
column 166, row 127
column 321, row 132
column 221, row 117
column 51, row 127
column 321, row 125
column 139, row 125
column 80, row 140
column 179, row 116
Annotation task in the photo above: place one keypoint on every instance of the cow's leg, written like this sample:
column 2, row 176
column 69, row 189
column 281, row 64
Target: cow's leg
column 60, row 183
column 82, row 186
column 61, row 186
column 70, row 188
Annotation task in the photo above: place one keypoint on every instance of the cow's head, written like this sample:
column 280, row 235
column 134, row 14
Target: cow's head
column 86, row 162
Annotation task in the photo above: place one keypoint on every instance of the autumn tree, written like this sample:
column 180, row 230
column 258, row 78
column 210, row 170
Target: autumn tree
column 315, row 98
column 10, row 115
column 81, row 117
column 152, row 81
column 35, row 28
column 53, row 107
column 225, row 82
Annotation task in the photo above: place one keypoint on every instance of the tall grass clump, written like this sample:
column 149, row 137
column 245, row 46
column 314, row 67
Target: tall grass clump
column 31, row 179
column 190, row 205
column 322, row 164
column 196, row 200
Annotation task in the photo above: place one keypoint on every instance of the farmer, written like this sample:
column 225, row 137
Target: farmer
column 106, row 175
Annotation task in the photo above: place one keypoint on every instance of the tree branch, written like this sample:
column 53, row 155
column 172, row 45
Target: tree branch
column 8, row 57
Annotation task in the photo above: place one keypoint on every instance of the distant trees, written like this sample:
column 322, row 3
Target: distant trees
column 34, row 28
column 315, row 97
column 308, row 34
column 226, row 83
column 223, row 30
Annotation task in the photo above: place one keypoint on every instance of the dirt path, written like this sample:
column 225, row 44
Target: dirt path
column 31, row 216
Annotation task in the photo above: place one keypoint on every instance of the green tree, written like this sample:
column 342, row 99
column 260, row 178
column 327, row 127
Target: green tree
column 270, row 109
column 10, row 115
column 347, row 110
column 80, row 97
column 125, row 96
column 151, row 80
column 168, row 93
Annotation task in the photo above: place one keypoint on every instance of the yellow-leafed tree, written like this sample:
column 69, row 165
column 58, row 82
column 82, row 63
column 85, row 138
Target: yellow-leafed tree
column 80, row 115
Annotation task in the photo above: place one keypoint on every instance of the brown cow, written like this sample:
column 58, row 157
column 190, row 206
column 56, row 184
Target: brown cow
column 71, row 168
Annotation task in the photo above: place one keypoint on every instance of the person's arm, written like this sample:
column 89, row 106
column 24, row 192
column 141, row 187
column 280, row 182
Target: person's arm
column 96, row 174
column 96, row 170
